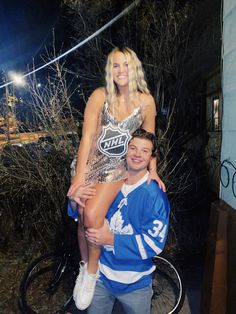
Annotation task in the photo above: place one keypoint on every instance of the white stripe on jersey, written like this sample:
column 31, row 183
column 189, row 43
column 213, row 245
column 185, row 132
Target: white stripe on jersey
column 141, row 247
column 152, row 244
column 125, row 276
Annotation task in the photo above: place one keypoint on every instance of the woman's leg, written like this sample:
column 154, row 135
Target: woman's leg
column 83, row 247
column 94, row 214
column 83, row 253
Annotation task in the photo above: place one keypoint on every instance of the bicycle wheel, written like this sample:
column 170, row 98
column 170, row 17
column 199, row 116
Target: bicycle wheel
column 47, row 285
column 168, row 290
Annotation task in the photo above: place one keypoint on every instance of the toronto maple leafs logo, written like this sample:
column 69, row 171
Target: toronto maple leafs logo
column 117, row 224
column 113, row 141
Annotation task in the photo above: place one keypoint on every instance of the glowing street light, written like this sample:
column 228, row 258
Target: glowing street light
column 17, row 78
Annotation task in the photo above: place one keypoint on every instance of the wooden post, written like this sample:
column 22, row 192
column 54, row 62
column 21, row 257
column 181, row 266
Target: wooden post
column 219, row 286
column 231, row 265
column 214, row 289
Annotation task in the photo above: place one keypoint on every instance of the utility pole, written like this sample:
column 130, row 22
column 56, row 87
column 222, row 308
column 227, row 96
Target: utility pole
column 7, row 107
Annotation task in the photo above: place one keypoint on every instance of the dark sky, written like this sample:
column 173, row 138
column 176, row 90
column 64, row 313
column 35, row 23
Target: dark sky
column 25, row 28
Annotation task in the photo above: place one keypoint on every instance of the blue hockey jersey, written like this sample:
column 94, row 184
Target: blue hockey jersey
column 139, row 221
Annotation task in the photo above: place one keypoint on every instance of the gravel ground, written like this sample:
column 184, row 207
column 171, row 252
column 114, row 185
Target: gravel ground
column 13, row 263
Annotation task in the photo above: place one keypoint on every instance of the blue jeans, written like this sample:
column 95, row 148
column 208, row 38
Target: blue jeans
column 135, row 302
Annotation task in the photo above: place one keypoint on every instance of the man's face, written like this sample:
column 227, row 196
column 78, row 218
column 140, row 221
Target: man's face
column 139, row 154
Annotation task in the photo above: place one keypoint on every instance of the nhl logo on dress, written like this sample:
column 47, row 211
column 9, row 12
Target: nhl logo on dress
column 113, row 141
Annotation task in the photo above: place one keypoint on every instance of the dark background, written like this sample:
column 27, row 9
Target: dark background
column 25, row 29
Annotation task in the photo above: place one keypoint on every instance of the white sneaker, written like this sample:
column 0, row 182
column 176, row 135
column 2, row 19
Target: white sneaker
column 86, row 292
column 79, row 279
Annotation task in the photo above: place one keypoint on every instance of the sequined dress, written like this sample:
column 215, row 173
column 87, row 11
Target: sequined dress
column 106, row 162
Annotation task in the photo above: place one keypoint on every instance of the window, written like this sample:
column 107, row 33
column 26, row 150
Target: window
column 216, row 114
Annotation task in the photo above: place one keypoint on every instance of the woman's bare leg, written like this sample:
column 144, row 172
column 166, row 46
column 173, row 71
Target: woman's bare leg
column 83, row 247
column 94, row 214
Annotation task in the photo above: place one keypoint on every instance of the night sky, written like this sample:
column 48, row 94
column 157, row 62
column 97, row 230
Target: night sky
column 25, row 28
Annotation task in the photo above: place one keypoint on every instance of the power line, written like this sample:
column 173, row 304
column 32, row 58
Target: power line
column 124, row 12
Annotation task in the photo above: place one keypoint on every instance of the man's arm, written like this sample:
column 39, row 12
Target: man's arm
column 148, row 243
column 151, row 240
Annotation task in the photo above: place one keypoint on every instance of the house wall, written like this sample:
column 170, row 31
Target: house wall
column 228, row 148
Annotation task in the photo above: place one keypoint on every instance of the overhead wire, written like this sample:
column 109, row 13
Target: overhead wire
column 96, row 33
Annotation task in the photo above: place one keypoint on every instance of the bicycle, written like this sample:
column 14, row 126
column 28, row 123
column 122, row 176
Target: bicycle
column 47, row 285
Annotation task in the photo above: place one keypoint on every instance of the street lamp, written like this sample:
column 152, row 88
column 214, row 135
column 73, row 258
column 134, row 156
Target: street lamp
column 17, row 78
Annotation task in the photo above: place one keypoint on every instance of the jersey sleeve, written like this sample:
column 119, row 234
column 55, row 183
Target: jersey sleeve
column 151, row 238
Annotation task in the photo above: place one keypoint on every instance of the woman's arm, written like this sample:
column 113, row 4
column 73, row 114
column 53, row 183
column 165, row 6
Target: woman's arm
column 149, row 113
column 149, row 125
column 91, row 115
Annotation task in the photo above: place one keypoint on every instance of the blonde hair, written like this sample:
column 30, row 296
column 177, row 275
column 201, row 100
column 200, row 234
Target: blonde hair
column 137, row 82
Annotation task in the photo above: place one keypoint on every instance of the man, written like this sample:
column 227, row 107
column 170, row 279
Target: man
column 135, row 230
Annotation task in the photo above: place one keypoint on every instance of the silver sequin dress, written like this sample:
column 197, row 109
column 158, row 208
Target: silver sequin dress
column 106, row 162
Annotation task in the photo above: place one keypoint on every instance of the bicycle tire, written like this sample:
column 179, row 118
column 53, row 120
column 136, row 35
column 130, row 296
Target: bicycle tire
column 47, row 286
column 168, row 289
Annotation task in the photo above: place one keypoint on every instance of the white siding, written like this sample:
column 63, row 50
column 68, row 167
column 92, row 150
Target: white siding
column 228, row 149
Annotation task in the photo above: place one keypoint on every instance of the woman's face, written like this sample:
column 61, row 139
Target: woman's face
column 120, row 69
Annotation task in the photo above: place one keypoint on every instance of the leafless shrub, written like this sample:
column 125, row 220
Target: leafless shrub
column 34, row 177
column 157, row 30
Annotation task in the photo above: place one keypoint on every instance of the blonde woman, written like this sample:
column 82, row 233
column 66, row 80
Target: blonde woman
column 111, row 116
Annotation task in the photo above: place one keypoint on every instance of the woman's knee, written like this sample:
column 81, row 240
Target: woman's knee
column 92, row 218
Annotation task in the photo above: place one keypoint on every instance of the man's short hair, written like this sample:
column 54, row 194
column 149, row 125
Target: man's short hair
column 143, row 134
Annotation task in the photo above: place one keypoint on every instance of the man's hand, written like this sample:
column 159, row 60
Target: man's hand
column 101, row 236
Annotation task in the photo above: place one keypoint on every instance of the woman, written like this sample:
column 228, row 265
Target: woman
column 111, row 115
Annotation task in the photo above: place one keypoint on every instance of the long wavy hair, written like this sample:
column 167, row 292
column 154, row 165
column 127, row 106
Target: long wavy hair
column 137, row 82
